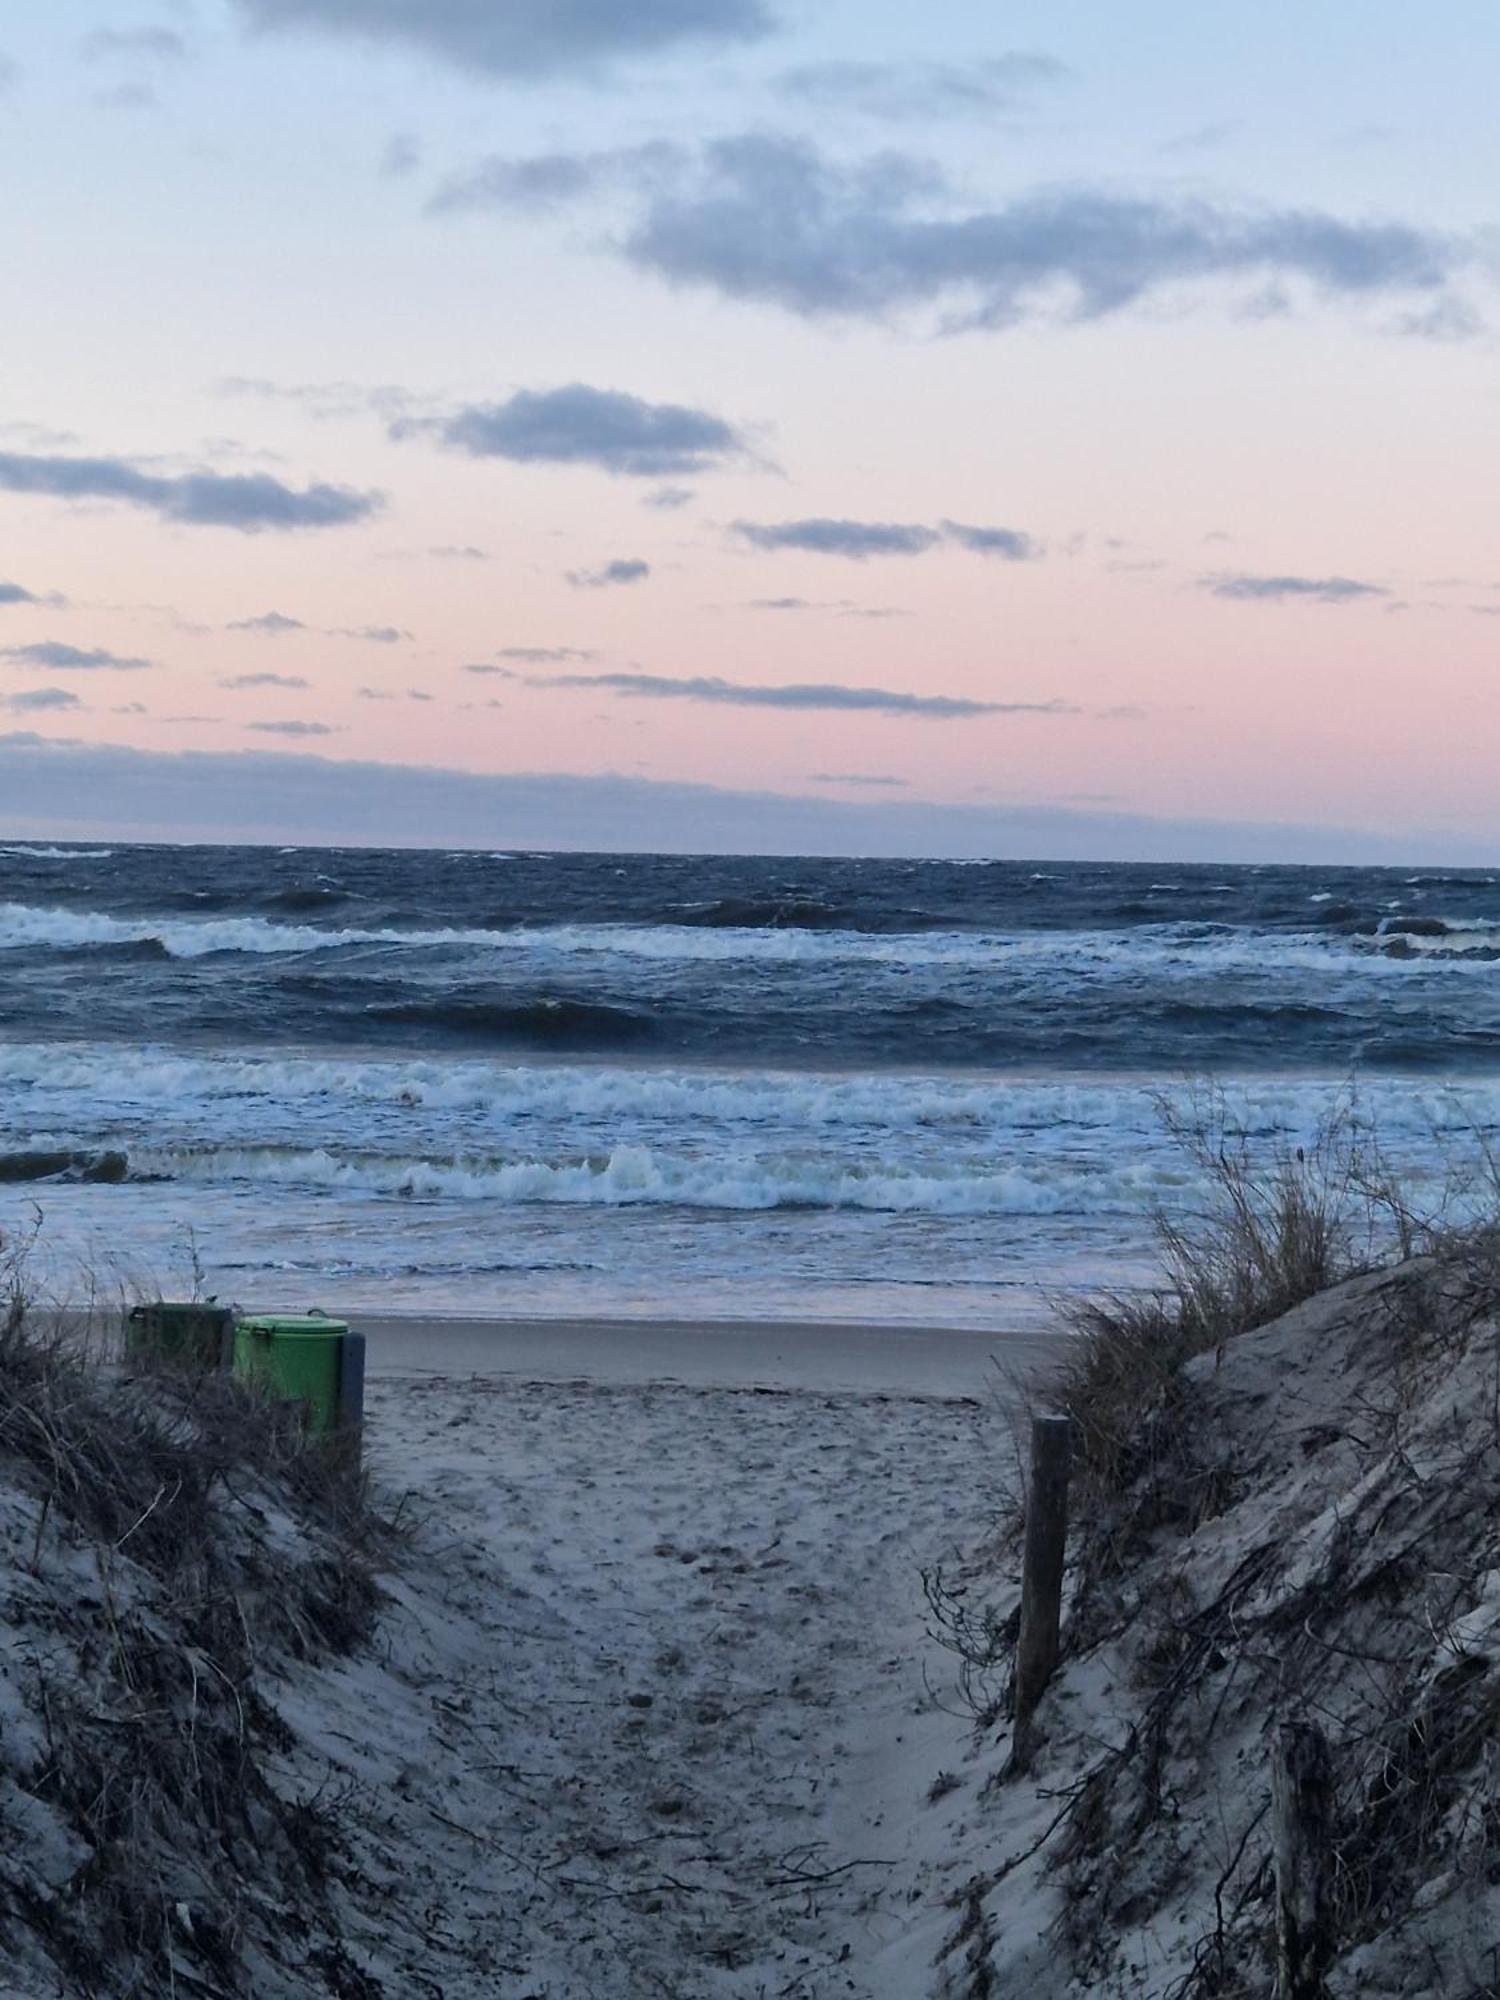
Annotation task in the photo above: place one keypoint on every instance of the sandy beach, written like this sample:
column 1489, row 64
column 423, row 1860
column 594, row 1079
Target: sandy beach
column 666, row 1623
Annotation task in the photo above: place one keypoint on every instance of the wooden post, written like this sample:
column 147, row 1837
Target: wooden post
column 1042, row 1574
column 1302, row 1812
column 350, row 1419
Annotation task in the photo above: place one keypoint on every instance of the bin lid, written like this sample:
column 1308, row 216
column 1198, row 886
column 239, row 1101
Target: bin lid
column 294, row 1325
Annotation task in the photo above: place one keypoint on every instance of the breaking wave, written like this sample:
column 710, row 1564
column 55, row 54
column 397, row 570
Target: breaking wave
column 634, row 1175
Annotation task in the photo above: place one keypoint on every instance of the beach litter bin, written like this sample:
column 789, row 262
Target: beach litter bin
column 305, row 1359
column 194, row 1334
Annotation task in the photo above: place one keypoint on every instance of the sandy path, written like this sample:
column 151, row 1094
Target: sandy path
column 717, row 1354
column 687, row 1739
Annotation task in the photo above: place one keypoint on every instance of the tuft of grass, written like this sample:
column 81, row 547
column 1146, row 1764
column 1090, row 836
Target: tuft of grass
column 1275, row 1231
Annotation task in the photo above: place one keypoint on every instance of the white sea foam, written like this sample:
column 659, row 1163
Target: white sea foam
column 1156, row 949
column 76, row 1083
column 633, row 1175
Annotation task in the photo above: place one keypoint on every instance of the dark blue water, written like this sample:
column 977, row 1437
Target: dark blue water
column 843, row 963
column 918, row 1091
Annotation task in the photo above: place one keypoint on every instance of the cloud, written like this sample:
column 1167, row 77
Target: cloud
column 460, row 552
column 537, row 183
column 12, row 593
column 61, row 658
column 811, row 695
column 33, row 700
column 1202, row 138
column 248, row 502
column 507, row 673
column 577, row 425
column 920, row 89
column 272, row 623
column 543, row 655
column 623, row 570
column 10, row 75
column 840, row 607
column 264, row 681
column 1292, row 589
column 857, row 778
column 1006, row 543
column 776, row 220
column 91, row 791
column 856, row 539
column 402, row 155
column 859, row 540
column 523, row 38
column 133, row 96
column 667, row 499
column 133, row 45
column 292, row 728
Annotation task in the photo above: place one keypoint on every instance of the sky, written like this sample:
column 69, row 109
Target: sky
column 779, row 424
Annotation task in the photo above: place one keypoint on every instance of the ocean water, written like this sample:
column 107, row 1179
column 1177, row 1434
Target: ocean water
column 538, row 1083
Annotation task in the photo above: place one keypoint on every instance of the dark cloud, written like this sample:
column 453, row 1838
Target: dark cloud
column 544, row 655
column 628, row 569
column 578, row 425
column 264, row 681
column 1006, row 543
column 812, row 695
column 372, row 635
column 272, row 623
column 860, row 540
column 1292, row 589
column 248, row 502
column 498, row 673
column 94, row 791
column 292, row 728
column 12, row 593
column 34, row 700
column 856, row 539
column 667, row 499
column 63, row 658
column 776, row 219
column 523, row 38
column 133, row 45
column 918, row 89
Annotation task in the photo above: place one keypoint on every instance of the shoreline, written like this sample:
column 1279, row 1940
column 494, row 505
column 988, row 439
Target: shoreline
column 789, row 1356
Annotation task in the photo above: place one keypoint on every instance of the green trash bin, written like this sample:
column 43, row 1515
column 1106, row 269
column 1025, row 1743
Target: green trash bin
column 188, row 1335
column 294, row 1358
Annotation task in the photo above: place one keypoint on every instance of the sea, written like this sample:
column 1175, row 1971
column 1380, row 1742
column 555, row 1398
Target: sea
column 546, row 1084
